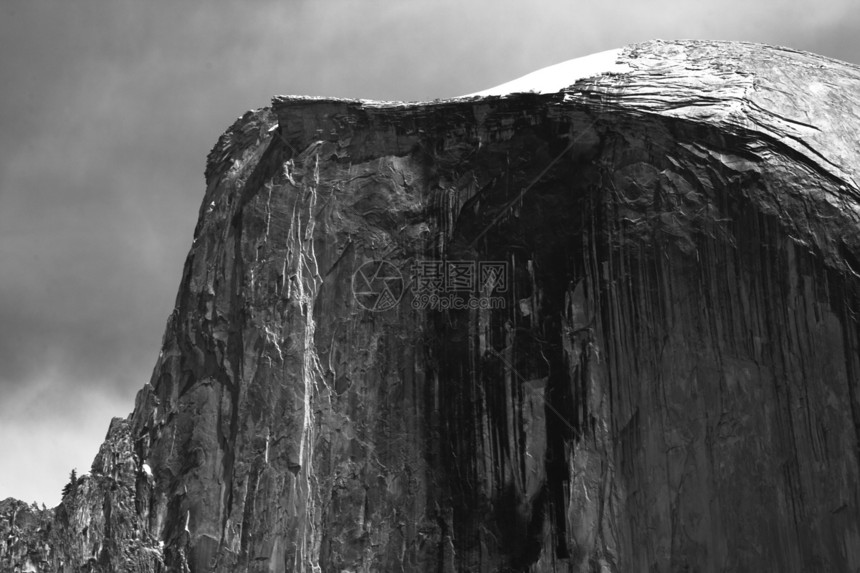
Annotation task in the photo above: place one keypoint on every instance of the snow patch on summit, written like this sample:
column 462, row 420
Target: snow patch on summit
column 553, row 79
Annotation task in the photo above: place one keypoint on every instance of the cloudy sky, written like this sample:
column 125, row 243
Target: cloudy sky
column 108, row 110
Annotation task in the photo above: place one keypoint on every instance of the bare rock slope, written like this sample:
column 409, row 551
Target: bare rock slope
column 611, row 328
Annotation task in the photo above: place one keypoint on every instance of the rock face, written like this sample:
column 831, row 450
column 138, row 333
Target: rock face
column 610, row 329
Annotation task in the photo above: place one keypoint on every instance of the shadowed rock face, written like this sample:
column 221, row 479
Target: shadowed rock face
column 663, row 376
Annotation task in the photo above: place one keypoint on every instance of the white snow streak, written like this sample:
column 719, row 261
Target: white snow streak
column 555, row 78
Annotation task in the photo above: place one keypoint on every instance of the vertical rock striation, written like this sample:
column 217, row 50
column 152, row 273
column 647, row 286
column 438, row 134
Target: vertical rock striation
column 663, row 377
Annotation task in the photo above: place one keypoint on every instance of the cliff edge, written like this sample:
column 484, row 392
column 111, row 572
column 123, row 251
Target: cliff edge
column 608, row 327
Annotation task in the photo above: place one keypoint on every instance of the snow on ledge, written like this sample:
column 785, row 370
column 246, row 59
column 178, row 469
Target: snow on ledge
column 555, row 78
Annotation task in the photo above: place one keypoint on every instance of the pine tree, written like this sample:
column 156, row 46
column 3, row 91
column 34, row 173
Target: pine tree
column 70, row 487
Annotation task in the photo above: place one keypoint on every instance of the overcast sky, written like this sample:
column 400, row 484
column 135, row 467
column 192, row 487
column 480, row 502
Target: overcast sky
column 108, row 110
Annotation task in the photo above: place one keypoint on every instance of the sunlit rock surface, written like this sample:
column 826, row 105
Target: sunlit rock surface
column 664, row 377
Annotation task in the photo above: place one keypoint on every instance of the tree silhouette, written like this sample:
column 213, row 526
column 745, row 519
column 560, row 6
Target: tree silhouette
column 69, row 488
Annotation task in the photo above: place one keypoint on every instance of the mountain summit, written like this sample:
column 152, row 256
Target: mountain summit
column 601, row 319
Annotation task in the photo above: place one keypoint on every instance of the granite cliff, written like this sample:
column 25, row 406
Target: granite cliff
column 609, row 328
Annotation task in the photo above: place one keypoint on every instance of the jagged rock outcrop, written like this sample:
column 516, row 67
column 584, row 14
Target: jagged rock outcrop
column 655, row 366
column 96, row 527
column 23, row 537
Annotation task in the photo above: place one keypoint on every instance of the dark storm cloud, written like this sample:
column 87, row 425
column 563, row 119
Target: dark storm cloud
column 109, row 108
